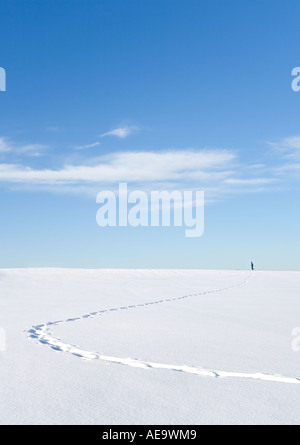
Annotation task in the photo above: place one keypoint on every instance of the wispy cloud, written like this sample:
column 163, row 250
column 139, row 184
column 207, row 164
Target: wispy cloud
column 85, row 147
column 127, row 166
column 121, row 132
column 32, row 149
column 289, row 151
column 4, row 145
column 292, row 143
column 219, row 172
column 251, row 181
column 27, row 149
column 53, row 129
column 289, row 146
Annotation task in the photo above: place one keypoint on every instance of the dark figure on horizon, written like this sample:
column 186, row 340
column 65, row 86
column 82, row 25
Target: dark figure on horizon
column 252, row 266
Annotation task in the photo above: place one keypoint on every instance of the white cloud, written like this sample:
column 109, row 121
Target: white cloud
column 53, row 129
column 27, row 149
column 84, row 147
column 289, row 152
column 218, row 172
column 289, row 146
column 292, row 142
column 4, row 145
column 138, row 167
column 122, row 132
column 32, row 149
column 290, row 171
column 252, row 181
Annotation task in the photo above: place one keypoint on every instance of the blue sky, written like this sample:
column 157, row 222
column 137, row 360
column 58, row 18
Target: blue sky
column 164, row 94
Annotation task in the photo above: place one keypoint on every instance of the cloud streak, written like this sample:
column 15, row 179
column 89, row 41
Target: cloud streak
column 4, row 146
column 121, row 133
column 85, row 147
column 251, row 181
column 219, row 172
column 131, row 167
column 28, row 149
column 289, row 147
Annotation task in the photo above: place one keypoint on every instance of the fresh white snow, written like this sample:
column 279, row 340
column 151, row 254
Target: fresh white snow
column 149, row 347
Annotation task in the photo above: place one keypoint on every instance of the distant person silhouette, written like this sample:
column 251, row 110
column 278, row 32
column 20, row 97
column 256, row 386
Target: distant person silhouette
column 252, row 266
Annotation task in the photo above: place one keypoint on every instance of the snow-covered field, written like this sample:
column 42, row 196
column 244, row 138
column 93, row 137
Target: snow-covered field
column 149, row 347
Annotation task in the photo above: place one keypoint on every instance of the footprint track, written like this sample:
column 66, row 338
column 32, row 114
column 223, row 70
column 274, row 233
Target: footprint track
column 42, row 334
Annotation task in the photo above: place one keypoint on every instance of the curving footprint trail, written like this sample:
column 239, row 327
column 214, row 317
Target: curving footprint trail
column 42, row 334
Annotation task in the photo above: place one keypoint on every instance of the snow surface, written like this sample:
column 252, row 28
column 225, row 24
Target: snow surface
column 149, row 347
